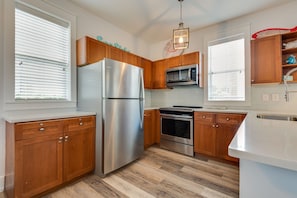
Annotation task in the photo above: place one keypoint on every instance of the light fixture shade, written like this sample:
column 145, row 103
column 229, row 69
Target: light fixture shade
column 181, row 38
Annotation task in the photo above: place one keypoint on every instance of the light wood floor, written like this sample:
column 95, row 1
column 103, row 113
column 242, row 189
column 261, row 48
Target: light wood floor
column 159, row 173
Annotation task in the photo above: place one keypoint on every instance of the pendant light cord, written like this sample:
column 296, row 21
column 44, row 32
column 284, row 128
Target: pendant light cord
column 181, row 11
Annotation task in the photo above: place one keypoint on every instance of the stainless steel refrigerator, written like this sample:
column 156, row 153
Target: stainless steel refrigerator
column 115, row 91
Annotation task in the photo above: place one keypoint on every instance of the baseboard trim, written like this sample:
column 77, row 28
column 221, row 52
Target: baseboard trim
column 1, row 183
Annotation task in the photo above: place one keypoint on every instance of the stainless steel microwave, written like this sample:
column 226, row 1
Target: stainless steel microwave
column 183, row 75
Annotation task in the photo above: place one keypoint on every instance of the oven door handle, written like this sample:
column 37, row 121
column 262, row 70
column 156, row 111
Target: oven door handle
column 171, row 116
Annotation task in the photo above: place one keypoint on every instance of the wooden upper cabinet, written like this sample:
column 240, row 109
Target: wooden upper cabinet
column 266, row 63
column 185, row 59
column 159, row 74
column 147, row 72
column 114, row 53
column 288, row 51
column 174, row 61
column 191, row 58
column 89, row 50
column 131, row 59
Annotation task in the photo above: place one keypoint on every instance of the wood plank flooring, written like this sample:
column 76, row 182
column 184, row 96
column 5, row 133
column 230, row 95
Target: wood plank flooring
column 160, row 173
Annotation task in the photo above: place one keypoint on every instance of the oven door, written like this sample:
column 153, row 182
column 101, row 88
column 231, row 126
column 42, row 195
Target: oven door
column 177, row 128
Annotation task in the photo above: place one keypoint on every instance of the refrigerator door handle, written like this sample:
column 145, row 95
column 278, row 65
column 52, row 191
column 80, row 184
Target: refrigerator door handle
column 141, row 109
column 141, row 92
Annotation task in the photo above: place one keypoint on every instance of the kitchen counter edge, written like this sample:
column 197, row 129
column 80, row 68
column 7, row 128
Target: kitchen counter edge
column 15, row 117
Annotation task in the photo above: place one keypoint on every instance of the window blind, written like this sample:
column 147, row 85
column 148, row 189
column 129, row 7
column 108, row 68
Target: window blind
column 42, row 56
column 226, row 70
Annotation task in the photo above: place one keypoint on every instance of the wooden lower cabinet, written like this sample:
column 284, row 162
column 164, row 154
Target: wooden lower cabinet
column 204, row 134
column 79, row 147
column 38, row 163
column 41, row 155
column 151, row 127
column 149, row 137
column 213, row 133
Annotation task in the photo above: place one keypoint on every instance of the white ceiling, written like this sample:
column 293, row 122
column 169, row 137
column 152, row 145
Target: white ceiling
column 154, row 20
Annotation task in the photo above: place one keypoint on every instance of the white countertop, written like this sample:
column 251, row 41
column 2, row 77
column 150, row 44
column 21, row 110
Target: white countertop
column 26, row 116
column 272, row 142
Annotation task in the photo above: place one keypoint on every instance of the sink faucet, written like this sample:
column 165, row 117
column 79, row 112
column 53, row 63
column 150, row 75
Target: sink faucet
column 286, row 84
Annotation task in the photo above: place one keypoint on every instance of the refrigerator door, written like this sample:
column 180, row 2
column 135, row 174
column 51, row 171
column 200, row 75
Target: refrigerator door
column 123, row 132
column 122, row 80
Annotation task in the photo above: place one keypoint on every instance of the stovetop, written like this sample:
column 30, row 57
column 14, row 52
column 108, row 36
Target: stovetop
column 190, row 107
column 180, row 108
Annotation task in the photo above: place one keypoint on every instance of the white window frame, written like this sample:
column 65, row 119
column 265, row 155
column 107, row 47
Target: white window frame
column 243, row 32
column 9, row 101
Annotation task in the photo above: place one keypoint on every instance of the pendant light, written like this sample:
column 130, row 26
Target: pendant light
column 181, row 35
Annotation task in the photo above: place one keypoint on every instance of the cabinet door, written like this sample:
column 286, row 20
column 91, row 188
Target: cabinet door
column 225, row 134
column 157, row 128
column 79, row 147
column 174, row 61
column 38, row 165
column 227, row 126
column 204, row 133
column 131, row 59
column 89, row 51
column 266, row 64
column 159, row 74
column 147, row 72
column 148, row 128
column 191, row 58
column 115, row 54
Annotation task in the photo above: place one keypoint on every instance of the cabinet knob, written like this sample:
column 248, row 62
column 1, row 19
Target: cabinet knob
column 217, row 126
column 81, row 123
column 66, row 138
column 204, row 117
column 227, row 119
column 213, row 125
column 60, row 139
column 41, row 129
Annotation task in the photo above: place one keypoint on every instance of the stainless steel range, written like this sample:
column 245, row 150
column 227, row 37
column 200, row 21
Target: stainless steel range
column 177, row 129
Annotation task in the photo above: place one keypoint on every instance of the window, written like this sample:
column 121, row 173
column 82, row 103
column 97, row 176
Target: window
column 42, row 56
column 226, row 69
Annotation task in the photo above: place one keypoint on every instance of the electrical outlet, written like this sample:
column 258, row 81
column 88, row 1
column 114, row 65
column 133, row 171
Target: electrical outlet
column 265, row 97
column 275, row 97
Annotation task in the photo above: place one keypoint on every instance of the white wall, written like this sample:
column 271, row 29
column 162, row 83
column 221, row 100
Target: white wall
column 2, row 134
column 89, row 24
column 281, row 16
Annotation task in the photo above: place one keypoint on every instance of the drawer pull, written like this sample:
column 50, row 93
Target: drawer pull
column 217, row 126
column 227, row 119
column 81, row 123
column 42, row 129
column 204, row 117
column 213, row 125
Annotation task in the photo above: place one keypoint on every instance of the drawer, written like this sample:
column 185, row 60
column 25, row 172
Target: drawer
column 34, row 129
column 74, row 124
column 230, row 118
column 148, row 113
column 204, row 117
